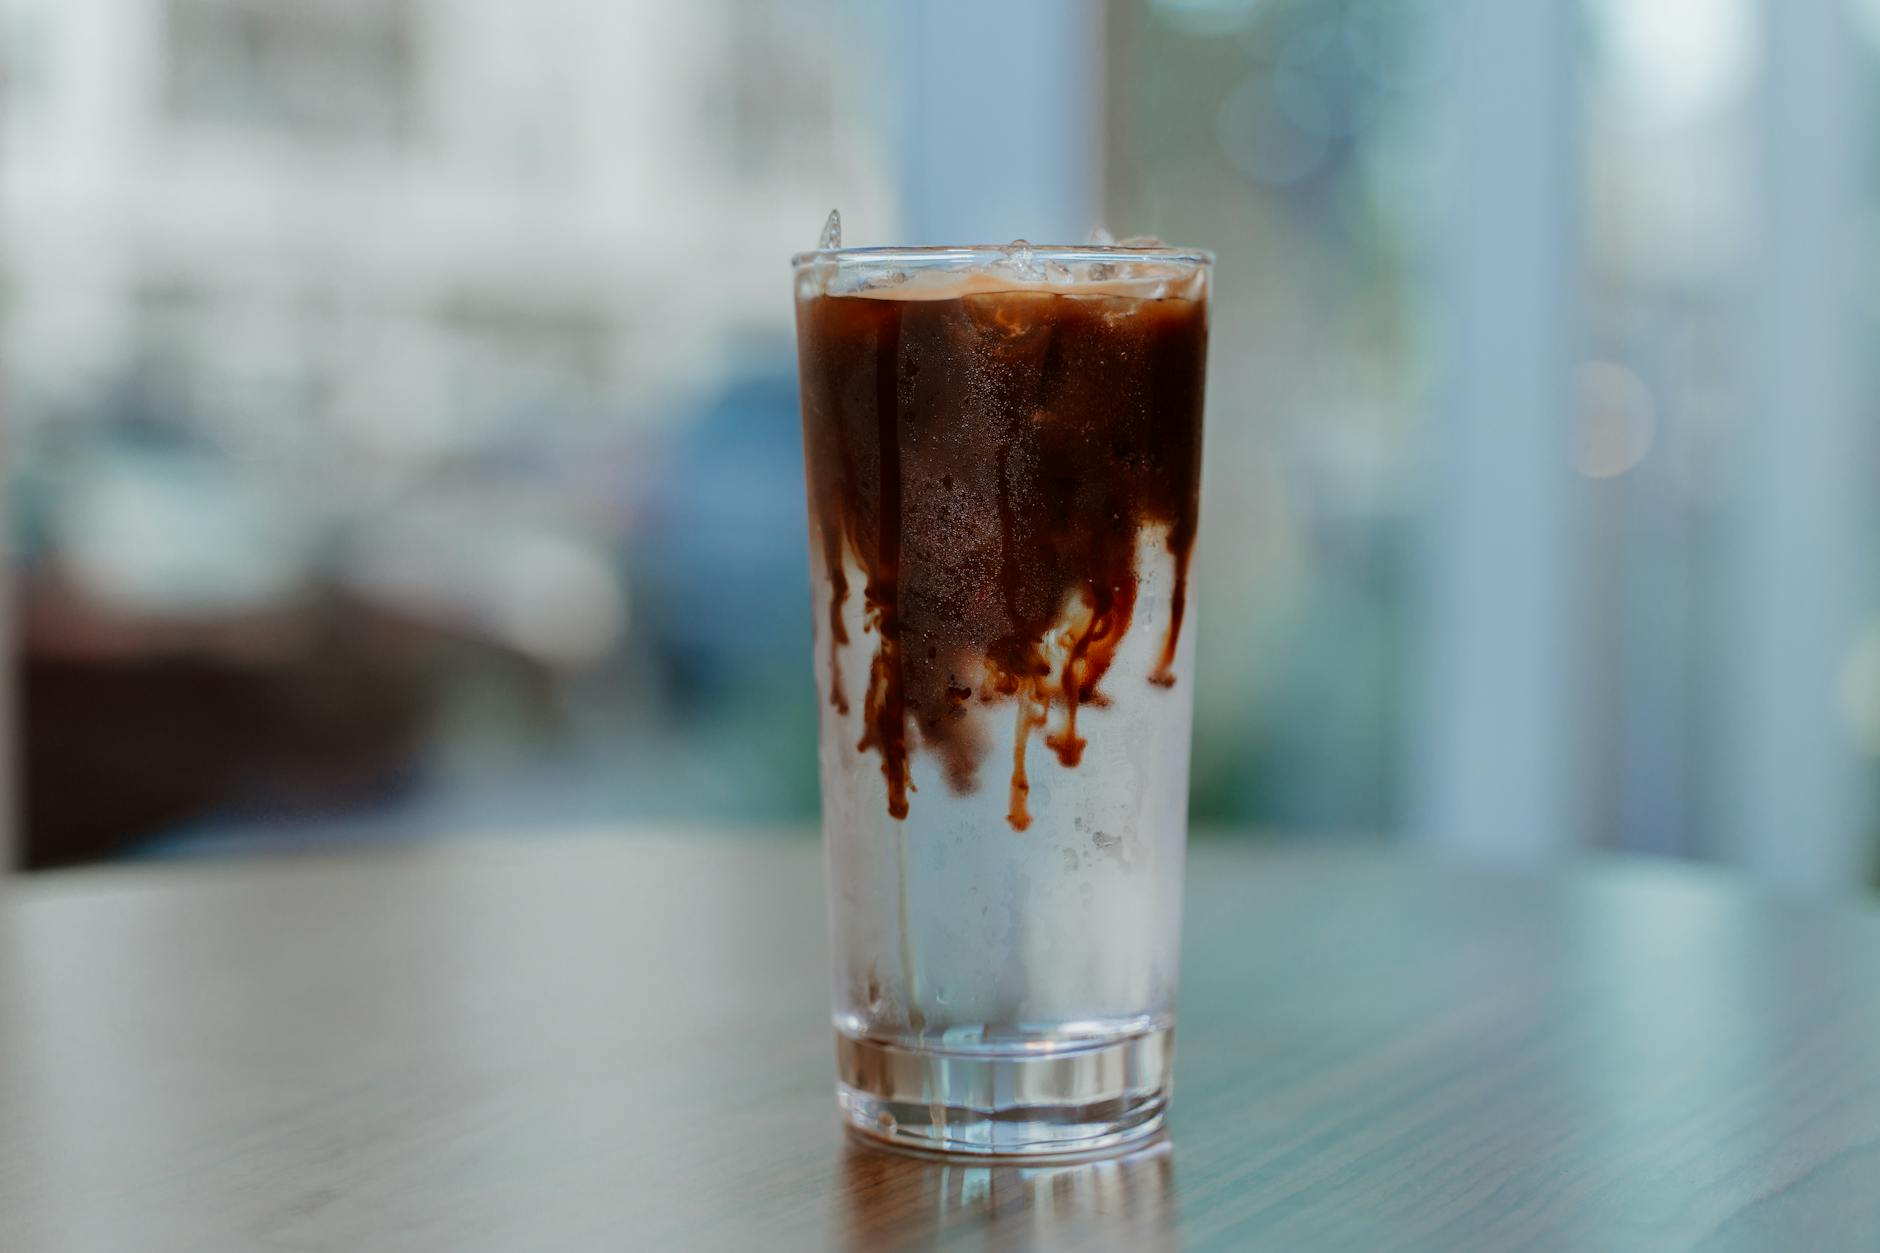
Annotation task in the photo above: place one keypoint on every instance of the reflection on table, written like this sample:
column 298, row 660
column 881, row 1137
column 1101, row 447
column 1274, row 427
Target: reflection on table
column 889, row 1200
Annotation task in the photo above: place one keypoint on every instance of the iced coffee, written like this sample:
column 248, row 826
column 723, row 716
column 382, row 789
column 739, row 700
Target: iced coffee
column 1003, row 456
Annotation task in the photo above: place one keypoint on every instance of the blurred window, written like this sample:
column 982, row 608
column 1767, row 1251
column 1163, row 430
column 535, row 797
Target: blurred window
column 404, row 433
column 337, row 69
column 403, row 436
column 1299, row 142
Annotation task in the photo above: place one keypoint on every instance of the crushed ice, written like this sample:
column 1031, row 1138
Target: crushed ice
column 831, row 232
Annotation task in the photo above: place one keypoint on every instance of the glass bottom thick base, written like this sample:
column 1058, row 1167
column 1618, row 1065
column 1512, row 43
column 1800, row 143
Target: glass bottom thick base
column 1077, row 1100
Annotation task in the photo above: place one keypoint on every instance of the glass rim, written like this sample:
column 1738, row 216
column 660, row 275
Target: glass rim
column 941, row 254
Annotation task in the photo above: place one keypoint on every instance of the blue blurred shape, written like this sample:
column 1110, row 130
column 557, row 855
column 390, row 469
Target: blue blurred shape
column 719, row 566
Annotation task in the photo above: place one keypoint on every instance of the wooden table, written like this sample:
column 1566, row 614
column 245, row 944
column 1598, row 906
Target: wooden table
column 574, row 1043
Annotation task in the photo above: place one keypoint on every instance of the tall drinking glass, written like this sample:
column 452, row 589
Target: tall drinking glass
column 1004, row 457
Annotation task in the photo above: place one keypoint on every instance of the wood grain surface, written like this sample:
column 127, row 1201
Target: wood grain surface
column 611, row 1043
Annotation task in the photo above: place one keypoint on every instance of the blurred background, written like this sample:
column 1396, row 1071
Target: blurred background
column 401, row 432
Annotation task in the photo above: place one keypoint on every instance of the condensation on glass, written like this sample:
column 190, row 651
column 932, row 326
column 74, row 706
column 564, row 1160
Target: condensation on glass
column 1003, row 454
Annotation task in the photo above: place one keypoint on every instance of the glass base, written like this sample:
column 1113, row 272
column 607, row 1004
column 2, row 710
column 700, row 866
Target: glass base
column 1089, row 1098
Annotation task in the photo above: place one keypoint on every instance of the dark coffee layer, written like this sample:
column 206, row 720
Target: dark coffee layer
column 988, row 461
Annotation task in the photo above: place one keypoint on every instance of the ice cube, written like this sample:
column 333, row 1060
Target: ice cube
column 831, row 232
column 886, row 278
column 1100, row 236
column 1018, row 256
column 1011, row 321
